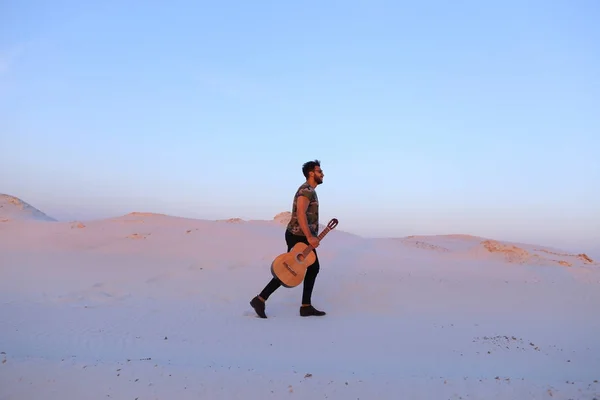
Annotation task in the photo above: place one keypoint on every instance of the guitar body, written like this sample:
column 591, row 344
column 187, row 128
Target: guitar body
column 290, row 268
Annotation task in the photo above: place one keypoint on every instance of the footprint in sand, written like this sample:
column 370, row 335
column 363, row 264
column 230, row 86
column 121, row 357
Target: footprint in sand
column 161, row 277
column 97, row 295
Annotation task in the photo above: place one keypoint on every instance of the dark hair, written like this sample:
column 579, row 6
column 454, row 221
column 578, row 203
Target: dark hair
column 310, row 166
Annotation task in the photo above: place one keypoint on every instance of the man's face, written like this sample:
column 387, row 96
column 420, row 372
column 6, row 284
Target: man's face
column 318, row 174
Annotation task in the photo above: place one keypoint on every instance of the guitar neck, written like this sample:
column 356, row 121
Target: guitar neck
column 309, row 248
column 322, row 234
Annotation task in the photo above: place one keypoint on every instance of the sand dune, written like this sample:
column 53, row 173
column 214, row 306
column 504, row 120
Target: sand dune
column 13, row 208
column 481, row 248
column 153, row 306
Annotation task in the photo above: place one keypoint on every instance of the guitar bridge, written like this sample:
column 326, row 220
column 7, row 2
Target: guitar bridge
column 290, row 269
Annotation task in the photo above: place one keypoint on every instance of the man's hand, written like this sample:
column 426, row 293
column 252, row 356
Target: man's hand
column 314, row 241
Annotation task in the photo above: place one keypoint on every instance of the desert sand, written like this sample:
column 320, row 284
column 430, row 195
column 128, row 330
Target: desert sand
column 149, row 306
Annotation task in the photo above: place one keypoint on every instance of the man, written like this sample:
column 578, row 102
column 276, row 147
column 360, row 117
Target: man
column 303, row 227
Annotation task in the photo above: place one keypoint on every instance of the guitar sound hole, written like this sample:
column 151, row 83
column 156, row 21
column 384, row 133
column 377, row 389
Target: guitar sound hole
column 300, row 257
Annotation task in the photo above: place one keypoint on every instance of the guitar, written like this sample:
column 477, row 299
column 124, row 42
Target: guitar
column 290, row 268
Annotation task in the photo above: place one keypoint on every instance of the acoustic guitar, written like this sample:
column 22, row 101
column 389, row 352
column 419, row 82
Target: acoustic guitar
column 290, row 268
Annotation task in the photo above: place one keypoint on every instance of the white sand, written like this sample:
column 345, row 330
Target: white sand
column 156, row 307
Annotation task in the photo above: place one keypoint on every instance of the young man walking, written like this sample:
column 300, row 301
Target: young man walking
column 303, row 227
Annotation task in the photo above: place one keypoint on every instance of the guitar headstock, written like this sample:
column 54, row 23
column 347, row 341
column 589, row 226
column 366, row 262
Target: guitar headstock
column 333, row 223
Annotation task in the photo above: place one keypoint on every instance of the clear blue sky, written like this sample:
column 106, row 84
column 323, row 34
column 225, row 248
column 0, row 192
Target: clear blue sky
column 429, row 117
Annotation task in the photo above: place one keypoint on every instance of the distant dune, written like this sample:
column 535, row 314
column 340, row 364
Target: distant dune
column 484, row 248
column 14, row 209
column 452, row 245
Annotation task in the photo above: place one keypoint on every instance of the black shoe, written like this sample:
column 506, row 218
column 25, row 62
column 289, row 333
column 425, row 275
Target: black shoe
column 259, row 307
column 306, row 311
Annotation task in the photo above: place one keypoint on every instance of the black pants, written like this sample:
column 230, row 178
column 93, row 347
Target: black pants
column 309, row 278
